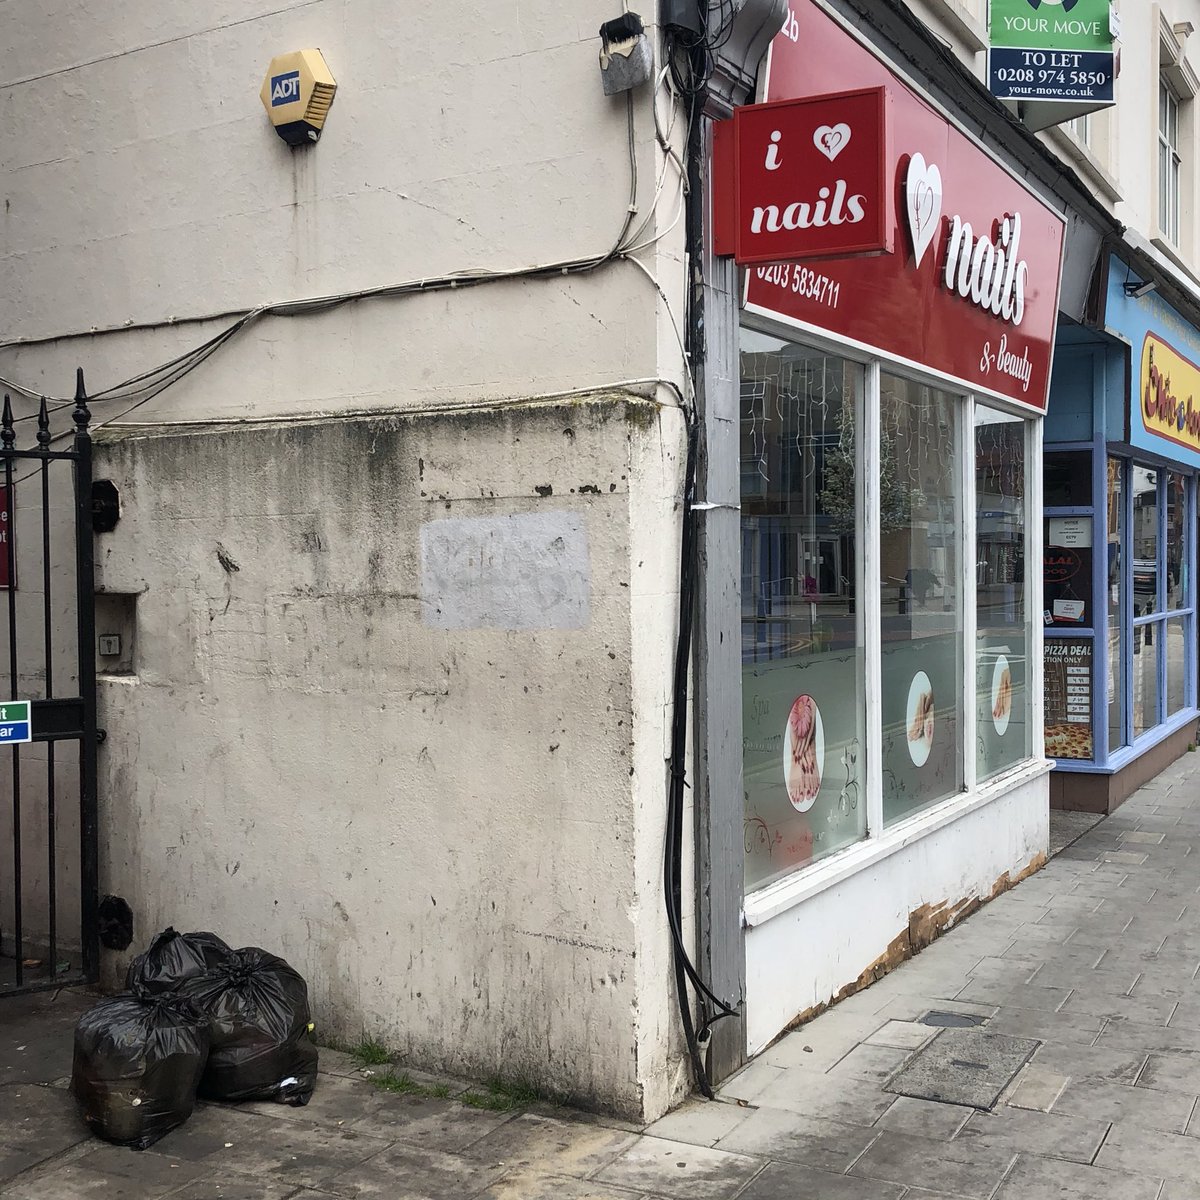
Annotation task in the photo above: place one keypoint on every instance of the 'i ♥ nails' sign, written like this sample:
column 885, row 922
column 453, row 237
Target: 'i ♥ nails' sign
column 804, row 179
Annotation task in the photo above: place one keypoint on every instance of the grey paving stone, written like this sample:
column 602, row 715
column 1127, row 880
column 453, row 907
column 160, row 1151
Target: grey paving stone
column 36, row 1123
column 677, row 1169
column 1141, row 837
column 922, row 1162
column 1152, row 1153
column 1147, row 1010
column 788, row 1181
column 1036, row 1088
column 752, row 1080
column 36, row 1034
column 1172, row 1073
column 870, row 1062
column 856, row 1101
column 575, row 1148
column 1130, row 857
column 528, row 1184
column 427, row 1121
column 420, row 1171
column 1049, row 1179
column 822, row 1042
column 925, row 1118
column 913, row 1008
column 701, row 1122
column 1049, row 999
column 790, row 1137
column 1187, row 1016
column 1131, row 1106
column 1047, row 1026
column 905, row 1035
column 228, row 1185
column 1004, row 970
column 73, row 1182
column 1117, row 980
column 1133, row 1035
column 1021, row 1130
column 1101, row 1064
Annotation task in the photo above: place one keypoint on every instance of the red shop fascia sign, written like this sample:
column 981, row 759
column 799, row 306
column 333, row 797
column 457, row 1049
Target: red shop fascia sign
column 867, row 215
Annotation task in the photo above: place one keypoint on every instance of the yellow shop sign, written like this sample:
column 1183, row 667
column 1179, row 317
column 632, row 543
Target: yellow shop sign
column 1170, row 391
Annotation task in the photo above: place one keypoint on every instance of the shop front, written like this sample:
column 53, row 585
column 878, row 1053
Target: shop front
column 891, row 472
column 1122, row 455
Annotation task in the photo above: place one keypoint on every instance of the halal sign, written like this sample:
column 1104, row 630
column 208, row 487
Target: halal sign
column 804, row 179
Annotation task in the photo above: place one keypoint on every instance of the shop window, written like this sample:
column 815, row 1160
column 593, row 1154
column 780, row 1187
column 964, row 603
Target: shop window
column 1004, row 636
column 1176, row 545
column 1146, row 713
column 1116, row 605
column 1175, row 652
column 921, row 603
column 1068, row 479
column 1145, row 542
column 802, row 654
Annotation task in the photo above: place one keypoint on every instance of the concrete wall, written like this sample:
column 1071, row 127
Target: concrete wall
column 396, row 710
column 302, row 751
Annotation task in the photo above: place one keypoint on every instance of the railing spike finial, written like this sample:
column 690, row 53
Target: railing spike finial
column 81, row 415
column 8, row 435
column 43, row 426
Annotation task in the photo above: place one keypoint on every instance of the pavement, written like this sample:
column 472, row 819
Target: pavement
column 1080, row 1020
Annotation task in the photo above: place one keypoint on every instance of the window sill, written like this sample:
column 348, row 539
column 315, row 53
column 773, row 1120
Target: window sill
column 1121, row 758
column 760, row 907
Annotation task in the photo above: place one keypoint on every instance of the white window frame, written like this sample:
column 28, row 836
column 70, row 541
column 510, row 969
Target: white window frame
column 1170, row 161
column 878, row 842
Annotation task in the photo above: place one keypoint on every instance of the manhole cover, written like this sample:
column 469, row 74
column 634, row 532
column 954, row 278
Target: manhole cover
column 949, row 1020
column 964, row 1066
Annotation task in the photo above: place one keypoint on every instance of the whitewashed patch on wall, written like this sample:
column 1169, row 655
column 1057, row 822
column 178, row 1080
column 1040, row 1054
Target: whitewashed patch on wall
column 520, row 571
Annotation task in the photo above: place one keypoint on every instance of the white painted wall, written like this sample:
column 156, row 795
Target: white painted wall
column 306, row 753
column 805, row 956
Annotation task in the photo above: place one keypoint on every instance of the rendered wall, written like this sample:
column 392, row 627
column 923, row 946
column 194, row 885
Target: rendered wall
column 397, row 713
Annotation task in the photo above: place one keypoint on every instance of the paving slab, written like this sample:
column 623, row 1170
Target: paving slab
column 787, row 1181
column 679, row 1170
column 1034, row 1178
column 923, row 1162
column 1021, row 1130
column 790, row 1137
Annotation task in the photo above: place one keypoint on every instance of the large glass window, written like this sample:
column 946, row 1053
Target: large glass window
column 920, row 513
column 1116, row 605
column 802, row 674
column 1146, row 593
column 1004, row 731
column 819, row 635
column 1176, row 548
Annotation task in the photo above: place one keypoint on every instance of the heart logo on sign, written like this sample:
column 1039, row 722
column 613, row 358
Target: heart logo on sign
column 831, row 140
column 923, row 203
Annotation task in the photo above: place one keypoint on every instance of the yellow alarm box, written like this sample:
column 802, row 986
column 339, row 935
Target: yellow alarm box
column 297, row 94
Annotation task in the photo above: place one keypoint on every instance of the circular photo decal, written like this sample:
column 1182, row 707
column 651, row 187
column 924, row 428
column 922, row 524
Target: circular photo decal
column 1001, row 695
column 919, row 720
column 803, row 753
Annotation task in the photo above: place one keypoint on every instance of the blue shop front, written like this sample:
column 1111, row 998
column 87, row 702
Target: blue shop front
column 1122, row 455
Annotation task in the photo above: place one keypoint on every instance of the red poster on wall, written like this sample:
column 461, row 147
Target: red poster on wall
column 971, row 292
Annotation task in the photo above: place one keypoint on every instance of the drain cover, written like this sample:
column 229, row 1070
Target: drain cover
column 949, row 1020
column 964, row 1066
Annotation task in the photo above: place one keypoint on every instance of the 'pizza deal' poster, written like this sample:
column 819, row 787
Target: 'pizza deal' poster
column 1068, row 675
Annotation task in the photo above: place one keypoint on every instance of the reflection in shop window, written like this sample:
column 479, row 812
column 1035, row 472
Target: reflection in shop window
column 1176, row 547
column 1175, row 650
column 920, row 518
column 1003, row 730
column 802, row 673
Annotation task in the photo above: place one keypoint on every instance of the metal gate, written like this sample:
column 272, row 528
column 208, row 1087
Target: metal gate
column 48, row 885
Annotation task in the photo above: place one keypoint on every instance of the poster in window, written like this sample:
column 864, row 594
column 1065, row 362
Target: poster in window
column 1067, row 572
column 1068, row 690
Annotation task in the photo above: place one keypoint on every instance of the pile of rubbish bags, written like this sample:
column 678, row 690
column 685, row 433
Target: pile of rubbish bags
column 197, row 1019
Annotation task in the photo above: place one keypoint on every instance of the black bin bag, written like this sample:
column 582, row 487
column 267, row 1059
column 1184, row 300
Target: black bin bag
column 173, row 957
column 257, row 1007
column 137, row 1065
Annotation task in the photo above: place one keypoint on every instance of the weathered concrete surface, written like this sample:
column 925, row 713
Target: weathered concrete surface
column 399, row 710
column 1093, row 957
